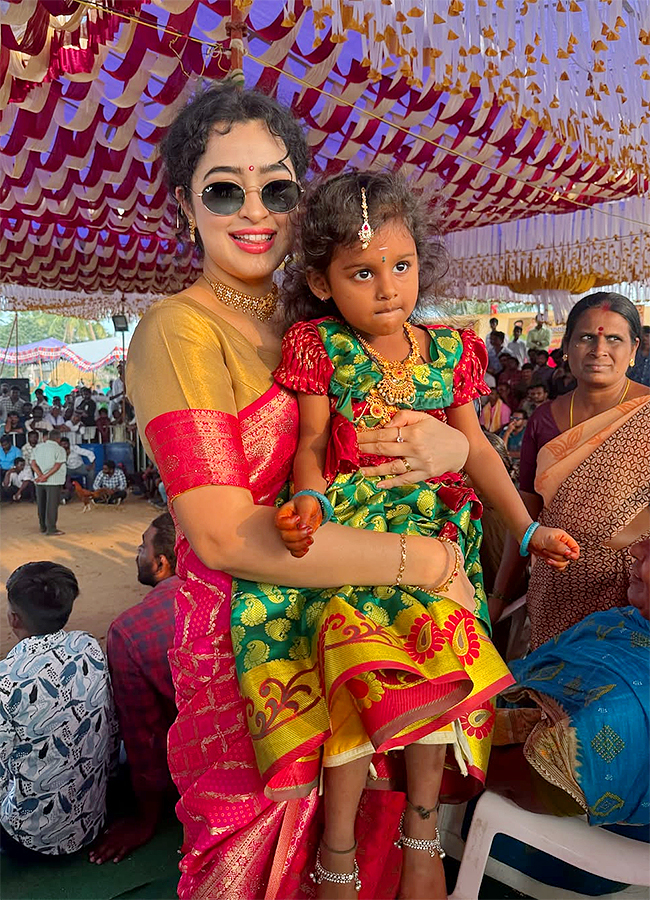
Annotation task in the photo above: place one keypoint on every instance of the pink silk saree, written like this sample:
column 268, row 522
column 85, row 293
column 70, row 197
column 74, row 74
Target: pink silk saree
column 237, row 843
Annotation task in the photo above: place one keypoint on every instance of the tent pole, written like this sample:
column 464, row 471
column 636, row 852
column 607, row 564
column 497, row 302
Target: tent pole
column 11, row 334
column 16, row 324
column 124, row 384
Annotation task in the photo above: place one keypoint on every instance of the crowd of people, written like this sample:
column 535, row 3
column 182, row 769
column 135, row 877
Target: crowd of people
column 318, row 625
column 85, row 416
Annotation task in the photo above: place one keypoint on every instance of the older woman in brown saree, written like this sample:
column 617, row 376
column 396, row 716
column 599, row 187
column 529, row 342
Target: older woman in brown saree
column 585, row 463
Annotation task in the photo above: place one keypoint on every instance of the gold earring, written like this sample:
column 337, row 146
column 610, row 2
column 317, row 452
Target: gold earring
column 632, row 361
column 565, row 356
column 192, row 226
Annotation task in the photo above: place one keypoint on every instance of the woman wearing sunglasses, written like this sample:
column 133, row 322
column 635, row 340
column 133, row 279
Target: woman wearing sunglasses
column 223, row 436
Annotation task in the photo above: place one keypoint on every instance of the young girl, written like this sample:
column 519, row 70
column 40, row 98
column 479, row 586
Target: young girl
column 332, row 677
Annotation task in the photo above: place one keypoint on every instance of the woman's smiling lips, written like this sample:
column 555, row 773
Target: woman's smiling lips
column 254, row 240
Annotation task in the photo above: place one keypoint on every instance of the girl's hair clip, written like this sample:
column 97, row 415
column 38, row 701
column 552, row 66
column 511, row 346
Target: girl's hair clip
column 365, row 233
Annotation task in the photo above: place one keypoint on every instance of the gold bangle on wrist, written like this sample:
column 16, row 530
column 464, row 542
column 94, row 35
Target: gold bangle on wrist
column 402, row 560
column 455, row 569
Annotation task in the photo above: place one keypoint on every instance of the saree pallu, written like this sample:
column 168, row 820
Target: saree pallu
column 332, row 675
column 238, row 844
column 591, row 685
column 595, row 482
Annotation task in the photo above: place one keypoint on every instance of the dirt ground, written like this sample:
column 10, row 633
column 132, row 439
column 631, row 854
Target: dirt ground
column 99, row 546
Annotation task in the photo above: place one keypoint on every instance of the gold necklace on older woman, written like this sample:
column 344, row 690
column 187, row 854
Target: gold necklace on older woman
column 261, row 308
column 396, row 385
column 623, row 396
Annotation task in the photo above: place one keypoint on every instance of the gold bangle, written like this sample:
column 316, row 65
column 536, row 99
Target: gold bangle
column 456, row 566
column 402, row 560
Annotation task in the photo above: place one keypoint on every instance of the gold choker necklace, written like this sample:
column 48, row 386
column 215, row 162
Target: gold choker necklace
column 261, row 308
column 396, row 385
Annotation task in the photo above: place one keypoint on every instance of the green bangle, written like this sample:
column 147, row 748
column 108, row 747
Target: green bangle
column 326, row 507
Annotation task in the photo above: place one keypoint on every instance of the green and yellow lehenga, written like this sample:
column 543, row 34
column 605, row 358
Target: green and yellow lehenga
column 331, row 675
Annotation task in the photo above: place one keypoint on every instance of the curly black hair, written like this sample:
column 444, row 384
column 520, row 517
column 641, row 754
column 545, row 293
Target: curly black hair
column 330, row 217
column 218, row 108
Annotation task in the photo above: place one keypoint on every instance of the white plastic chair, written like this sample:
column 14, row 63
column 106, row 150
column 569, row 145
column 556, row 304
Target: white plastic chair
column 571, row 839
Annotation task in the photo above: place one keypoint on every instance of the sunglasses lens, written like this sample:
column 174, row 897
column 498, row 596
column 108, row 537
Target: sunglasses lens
column 223, row 198
column 280, row 196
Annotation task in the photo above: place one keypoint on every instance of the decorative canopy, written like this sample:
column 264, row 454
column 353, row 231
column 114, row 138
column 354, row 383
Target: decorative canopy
column 85, row 355
column 513, row 110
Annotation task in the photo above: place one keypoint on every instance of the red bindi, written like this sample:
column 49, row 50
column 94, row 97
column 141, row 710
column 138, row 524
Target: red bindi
column 600, row 330
column 251, row 168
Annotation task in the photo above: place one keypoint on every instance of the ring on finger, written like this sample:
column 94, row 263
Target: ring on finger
column 399, row 438
column 407, row 464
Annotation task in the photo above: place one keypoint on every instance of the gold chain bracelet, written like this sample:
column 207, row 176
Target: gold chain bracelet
column 457, row 565
column 402, row 560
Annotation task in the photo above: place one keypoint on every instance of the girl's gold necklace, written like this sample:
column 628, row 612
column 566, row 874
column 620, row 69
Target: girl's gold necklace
column 623, row 396
column 396, row 385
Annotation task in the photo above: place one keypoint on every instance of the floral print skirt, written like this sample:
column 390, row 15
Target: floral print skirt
column 331, row 675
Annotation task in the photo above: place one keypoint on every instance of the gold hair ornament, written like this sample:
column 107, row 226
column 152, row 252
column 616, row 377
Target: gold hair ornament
column 365, row 233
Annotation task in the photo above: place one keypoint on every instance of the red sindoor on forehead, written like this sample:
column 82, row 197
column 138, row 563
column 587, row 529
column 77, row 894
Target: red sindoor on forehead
column 600, row 330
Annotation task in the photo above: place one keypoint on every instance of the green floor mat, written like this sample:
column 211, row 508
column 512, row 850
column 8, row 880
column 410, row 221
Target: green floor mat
column 150, row 871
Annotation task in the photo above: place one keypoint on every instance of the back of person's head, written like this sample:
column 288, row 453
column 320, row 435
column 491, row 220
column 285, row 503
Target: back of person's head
column 42, row 594
column 611, row 302
column 164, row 539
column 557, row 356
column 54, row 435
column 218, row 110
column 330, row 217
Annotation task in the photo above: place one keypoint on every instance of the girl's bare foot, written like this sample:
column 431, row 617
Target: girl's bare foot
column 423, row 876
column 342, row 862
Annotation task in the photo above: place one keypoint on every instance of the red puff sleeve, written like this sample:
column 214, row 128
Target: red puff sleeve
column 305, row 368
column 469, row 372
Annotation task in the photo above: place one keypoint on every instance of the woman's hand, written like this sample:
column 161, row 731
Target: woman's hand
column 461, row 590
column 430, row 448
column 297, row 520
column 554, row 546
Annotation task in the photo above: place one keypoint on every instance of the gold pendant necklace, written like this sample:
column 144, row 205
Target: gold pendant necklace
column 261, row 308
column 396, row 385
column 623, row 396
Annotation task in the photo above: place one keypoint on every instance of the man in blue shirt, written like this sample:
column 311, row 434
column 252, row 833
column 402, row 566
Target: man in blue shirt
column 8, row 456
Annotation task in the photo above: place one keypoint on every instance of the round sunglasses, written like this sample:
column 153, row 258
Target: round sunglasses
column 223, row 198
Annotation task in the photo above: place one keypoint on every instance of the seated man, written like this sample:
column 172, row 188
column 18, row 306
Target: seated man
column 103, row 424
column 57, row 725
column 38, row 423
column 18, row 483
column 55, row 417
column 137, row 646
column 33, row 438
column 536, row 394
column 73, row 428
column 112, row 479
column 79, row 464
column 513, row 433
column 8, row 455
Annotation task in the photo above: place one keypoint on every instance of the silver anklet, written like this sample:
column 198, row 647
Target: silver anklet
column 321, row 874
column 433, row 847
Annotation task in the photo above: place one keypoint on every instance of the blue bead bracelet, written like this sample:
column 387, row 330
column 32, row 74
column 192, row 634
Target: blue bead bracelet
column 326, row 507
column 525, row 541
